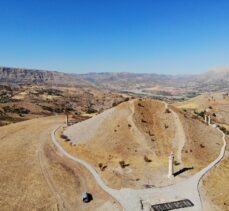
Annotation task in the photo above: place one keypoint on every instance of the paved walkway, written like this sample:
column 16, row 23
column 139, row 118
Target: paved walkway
column 131, row 199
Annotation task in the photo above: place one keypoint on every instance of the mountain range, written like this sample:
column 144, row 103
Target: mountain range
column 214, row 80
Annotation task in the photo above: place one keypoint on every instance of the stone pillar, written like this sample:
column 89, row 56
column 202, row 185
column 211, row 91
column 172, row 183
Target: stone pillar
column 171, row 162
column 66, row 120
column 205, row 118
column 209, row 120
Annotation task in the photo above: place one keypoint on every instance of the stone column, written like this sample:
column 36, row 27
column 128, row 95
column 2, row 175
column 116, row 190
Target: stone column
column 205, row 118
column 66, row 120
column 209, row 120
column 171, row 162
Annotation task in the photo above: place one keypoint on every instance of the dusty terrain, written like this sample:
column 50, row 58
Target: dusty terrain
column 215, row 184
column 34, row 177
column 130, row 144
column 215, row 187
column 114, row 136
column 30, row 101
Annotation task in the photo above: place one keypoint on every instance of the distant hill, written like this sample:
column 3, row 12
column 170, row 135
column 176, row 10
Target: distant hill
column 215, row 80
column 14, row 76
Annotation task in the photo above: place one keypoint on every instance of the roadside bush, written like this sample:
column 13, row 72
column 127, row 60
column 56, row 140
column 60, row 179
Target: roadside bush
column 102, row 167
column 224, row 130
column 65, row 137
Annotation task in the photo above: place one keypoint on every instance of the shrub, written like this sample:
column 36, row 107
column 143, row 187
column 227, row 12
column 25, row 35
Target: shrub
column 91, row 111
column 140, row 105
column 114, row 104
column 150, row 134
column 224, row 130
column 146, row 159
column 123, row 164
column 176, row 163
column 201, row 114
column 143, row 121
column 167, row 111
column 63, row 136
column 202, row 146
column 102, row 167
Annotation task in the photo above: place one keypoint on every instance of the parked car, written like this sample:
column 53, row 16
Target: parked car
column 86, row 197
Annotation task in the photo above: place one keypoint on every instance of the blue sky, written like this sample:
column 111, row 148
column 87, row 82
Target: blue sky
column 153, row 36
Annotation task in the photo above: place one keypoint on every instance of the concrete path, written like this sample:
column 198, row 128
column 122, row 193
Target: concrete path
column 132, row 200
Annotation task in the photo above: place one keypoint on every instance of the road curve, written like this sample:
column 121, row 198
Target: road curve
column 131, row 199
column 98, row 179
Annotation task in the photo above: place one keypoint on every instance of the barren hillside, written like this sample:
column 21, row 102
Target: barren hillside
column 31, row 101
column 34, row 177
column 215, row 183
column 129, row 144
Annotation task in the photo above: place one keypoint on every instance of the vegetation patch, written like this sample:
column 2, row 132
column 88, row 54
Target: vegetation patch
column 146, row 159
column 102, row 167
column 19, row 111
column 123, row 164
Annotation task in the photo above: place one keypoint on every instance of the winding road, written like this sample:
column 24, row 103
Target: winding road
column 132, row 199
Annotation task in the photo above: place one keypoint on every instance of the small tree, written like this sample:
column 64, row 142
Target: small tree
column 146, row 159
column 167, row 111
column 123, row 164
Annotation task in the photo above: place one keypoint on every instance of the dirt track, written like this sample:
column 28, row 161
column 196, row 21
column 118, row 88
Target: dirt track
column 180, row 138
column 33, row 176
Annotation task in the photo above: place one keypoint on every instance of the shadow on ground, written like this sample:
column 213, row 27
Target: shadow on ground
column 183, row 170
